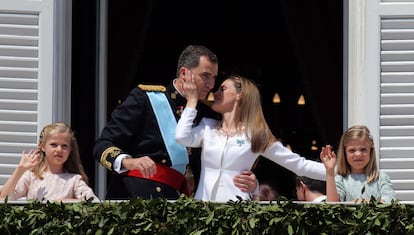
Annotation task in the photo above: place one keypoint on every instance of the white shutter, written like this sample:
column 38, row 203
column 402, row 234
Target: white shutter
column 19, row 60
column 397, row 103
column 26, row 77
column 381, row 84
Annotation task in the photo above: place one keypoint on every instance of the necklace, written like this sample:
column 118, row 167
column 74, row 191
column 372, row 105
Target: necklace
column 220, row 131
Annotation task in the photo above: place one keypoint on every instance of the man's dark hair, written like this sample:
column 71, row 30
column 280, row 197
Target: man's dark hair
column 190, row 57
column 313, row 184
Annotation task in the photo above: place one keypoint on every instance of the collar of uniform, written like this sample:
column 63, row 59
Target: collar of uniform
column 176, row 91
column 173, row 92
column 174, row 95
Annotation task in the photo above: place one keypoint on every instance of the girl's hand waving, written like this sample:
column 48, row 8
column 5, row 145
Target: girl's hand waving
column 328, row 157
column 30, row 159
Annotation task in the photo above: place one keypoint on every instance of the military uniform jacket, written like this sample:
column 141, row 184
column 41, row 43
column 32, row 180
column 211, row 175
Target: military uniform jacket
column 133, row 129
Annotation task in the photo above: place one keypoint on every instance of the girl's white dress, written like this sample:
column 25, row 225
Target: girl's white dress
column 223, row 158
column 53, row 187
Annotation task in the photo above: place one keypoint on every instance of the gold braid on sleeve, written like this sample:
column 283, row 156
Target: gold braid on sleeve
column 109, row 152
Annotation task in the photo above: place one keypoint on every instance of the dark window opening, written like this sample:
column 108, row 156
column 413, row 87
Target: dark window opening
column 290, row 47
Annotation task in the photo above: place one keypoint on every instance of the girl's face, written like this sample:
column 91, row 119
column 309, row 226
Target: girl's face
column 57, row 149
column 225, row 97
column 358, row 154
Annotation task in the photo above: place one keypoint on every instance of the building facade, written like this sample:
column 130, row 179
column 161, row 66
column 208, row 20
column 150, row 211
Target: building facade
column 36, row 79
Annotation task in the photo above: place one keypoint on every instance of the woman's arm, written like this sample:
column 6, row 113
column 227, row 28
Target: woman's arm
column 294, row 162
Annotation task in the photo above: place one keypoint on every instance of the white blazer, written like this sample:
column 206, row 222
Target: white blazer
column 222, row 158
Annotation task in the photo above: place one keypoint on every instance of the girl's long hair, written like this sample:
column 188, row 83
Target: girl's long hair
column 73, row 164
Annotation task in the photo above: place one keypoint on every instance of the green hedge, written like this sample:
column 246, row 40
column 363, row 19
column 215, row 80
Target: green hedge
column 188, row 216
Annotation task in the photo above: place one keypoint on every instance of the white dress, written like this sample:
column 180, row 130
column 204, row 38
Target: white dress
column 52, row 187
column 224, row 157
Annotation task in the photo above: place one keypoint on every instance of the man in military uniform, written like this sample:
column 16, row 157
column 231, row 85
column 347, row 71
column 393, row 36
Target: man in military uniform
column 132, row 147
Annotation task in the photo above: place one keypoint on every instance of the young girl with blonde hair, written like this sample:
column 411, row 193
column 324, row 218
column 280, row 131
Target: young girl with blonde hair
column 52, row 172
column 357, row 176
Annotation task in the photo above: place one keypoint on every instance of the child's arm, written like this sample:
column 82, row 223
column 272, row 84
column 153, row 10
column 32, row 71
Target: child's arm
column 328, row 158
column 82, row 191
column 387, row 191
column 27, row 161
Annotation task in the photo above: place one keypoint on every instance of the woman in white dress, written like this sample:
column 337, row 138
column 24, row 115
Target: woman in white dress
column 232, row 145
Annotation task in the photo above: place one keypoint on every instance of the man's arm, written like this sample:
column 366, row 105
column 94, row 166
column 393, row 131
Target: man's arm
column 246, row 181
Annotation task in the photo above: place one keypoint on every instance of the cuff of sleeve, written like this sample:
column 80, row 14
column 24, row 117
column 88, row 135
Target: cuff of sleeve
column 256, row 191
column 192, row 111
column 117, row 165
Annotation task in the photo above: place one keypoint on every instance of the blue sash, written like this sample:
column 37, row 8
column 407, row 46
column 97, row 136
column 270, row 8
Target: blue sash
column 166, row 121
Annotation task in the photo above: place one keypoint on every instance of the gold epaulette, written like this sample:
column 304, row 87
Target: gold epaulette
column 152, row 87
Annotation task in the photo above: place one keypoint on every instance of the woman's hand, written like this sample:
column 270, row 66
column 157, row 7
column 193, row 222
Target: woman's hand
column 189, row 89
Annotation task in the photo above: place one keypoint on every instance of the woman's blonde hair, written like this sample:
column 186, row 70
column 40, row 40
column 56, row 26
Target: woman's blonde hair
column 73, row 164
column 357, row 133
column 250, row 114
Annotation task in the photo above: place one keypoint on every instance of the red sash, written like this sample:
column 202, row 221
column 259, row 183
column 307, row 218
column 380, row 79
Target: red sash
column 165, row 175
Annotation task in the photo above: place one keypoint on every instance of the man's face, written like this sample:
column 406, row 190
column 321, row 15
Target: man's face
column 205, row 77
